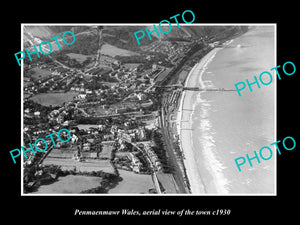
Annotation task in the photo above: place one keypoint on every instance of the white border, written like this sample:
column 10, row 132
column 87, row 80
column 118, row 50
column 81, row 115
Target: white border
column 149, row 24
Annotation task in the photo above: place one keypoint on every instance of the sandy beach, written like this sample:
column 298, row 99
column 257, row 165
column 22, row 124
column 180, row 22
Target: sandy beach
column 184, row 123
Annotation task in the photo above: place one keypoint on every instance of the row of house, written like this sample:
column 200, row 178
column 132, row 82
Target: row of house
column 153, row 157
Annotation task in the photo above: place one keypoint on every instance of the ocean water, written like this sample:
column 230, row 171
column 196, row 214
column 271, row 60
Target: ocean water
column 226, row 126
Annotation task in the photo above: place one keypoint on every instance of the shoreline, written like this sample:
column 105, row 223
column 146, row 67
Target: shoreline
column 184, row 125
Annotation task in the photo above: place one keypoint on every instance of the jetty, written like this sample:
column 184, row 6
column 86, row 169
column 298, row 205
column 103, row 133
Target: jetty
column 182, row 88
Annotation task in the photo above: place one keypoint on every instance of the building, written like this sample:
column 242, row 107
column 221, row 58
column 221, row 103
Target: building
column 136, row 163
column 141, row 134
column 37, row 113
column 86, row 146
column 108, row 137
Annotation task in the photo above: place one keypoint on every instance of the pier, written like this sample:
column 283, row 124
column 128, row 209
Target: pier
column 182, row 88
column 206, row 89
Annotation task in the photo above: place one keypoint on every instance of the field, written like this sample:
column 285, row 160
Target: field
column 89, row 165
column 132, row 183
column 53, row 99
column 78, row 57
column 111, row 50
column 40, row 73
column 70, row 184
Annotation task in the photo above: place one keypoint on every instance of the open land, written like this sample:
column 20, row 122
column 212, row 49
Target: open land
column 111, row 50
column 79, row 57
column 70, row 184
column 53, row 99
column 133, row 183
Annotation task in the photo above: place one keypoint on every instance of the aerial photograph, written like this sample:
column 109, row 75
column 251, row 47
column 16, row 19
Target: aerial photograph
column 158, row 115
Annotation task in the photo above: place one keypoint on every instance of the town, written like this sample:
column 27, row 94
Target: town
column 119, row 106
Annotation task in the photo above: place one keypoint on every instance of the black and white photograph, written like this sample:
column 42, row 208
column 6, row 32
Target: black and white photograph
column 162, row 117
column 165, row 113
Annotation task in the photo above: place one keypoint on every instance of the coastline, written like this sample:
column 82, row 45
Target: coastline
column 184, row 124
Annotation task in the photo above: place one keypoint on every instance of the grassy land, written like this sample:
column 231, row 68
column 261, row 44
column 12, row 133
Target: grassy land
column 78, row 57
column 111, row 50
column 132, row 183
column 53, row 99
column 40, row 73
column 70, row 184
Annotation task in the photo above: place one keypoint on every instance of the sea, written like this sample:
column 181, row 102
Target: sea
column 226, row 126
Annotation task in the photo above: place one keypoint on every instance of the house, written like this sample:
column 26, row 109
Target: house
column 66, row 123
column 37, row 113
column 136, row 164
column 141, row 134
column 108, row 137
column 126, row 136
column 87, row 91
column 82, row 96
column 86, row 146
column 74, row 138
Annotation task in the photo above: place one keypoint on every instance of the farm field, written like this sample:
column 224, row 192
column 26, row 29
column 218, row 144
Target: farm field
column 111, row 50
column 70, row 184
column 132, row 183
column 78, row 57
column 40, row 74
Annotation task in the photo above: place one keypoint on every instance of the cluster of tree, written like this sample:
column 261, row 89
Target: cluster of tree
column 95, row 84
column 68, row 61
column 106, row 184
column 91, row 120
column 107, row 78
column 122, row 37
column 85, row 45
column 43, row 59
column 109, row 180
column 131, row 59
column 34, row 106
column 177, row 39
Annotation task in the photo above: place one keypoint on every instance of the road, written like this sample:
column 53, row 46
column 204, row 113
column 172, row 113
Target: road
column 99, row 48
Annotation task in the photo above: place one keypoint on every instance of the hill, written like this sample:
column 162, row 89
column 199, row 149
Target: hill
column 123, row 36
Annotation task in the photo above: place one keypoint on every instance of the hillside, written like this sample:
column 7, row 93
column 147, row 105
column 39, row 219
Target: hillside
column 194, row 32
column 45, row 32
column 123, row 36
